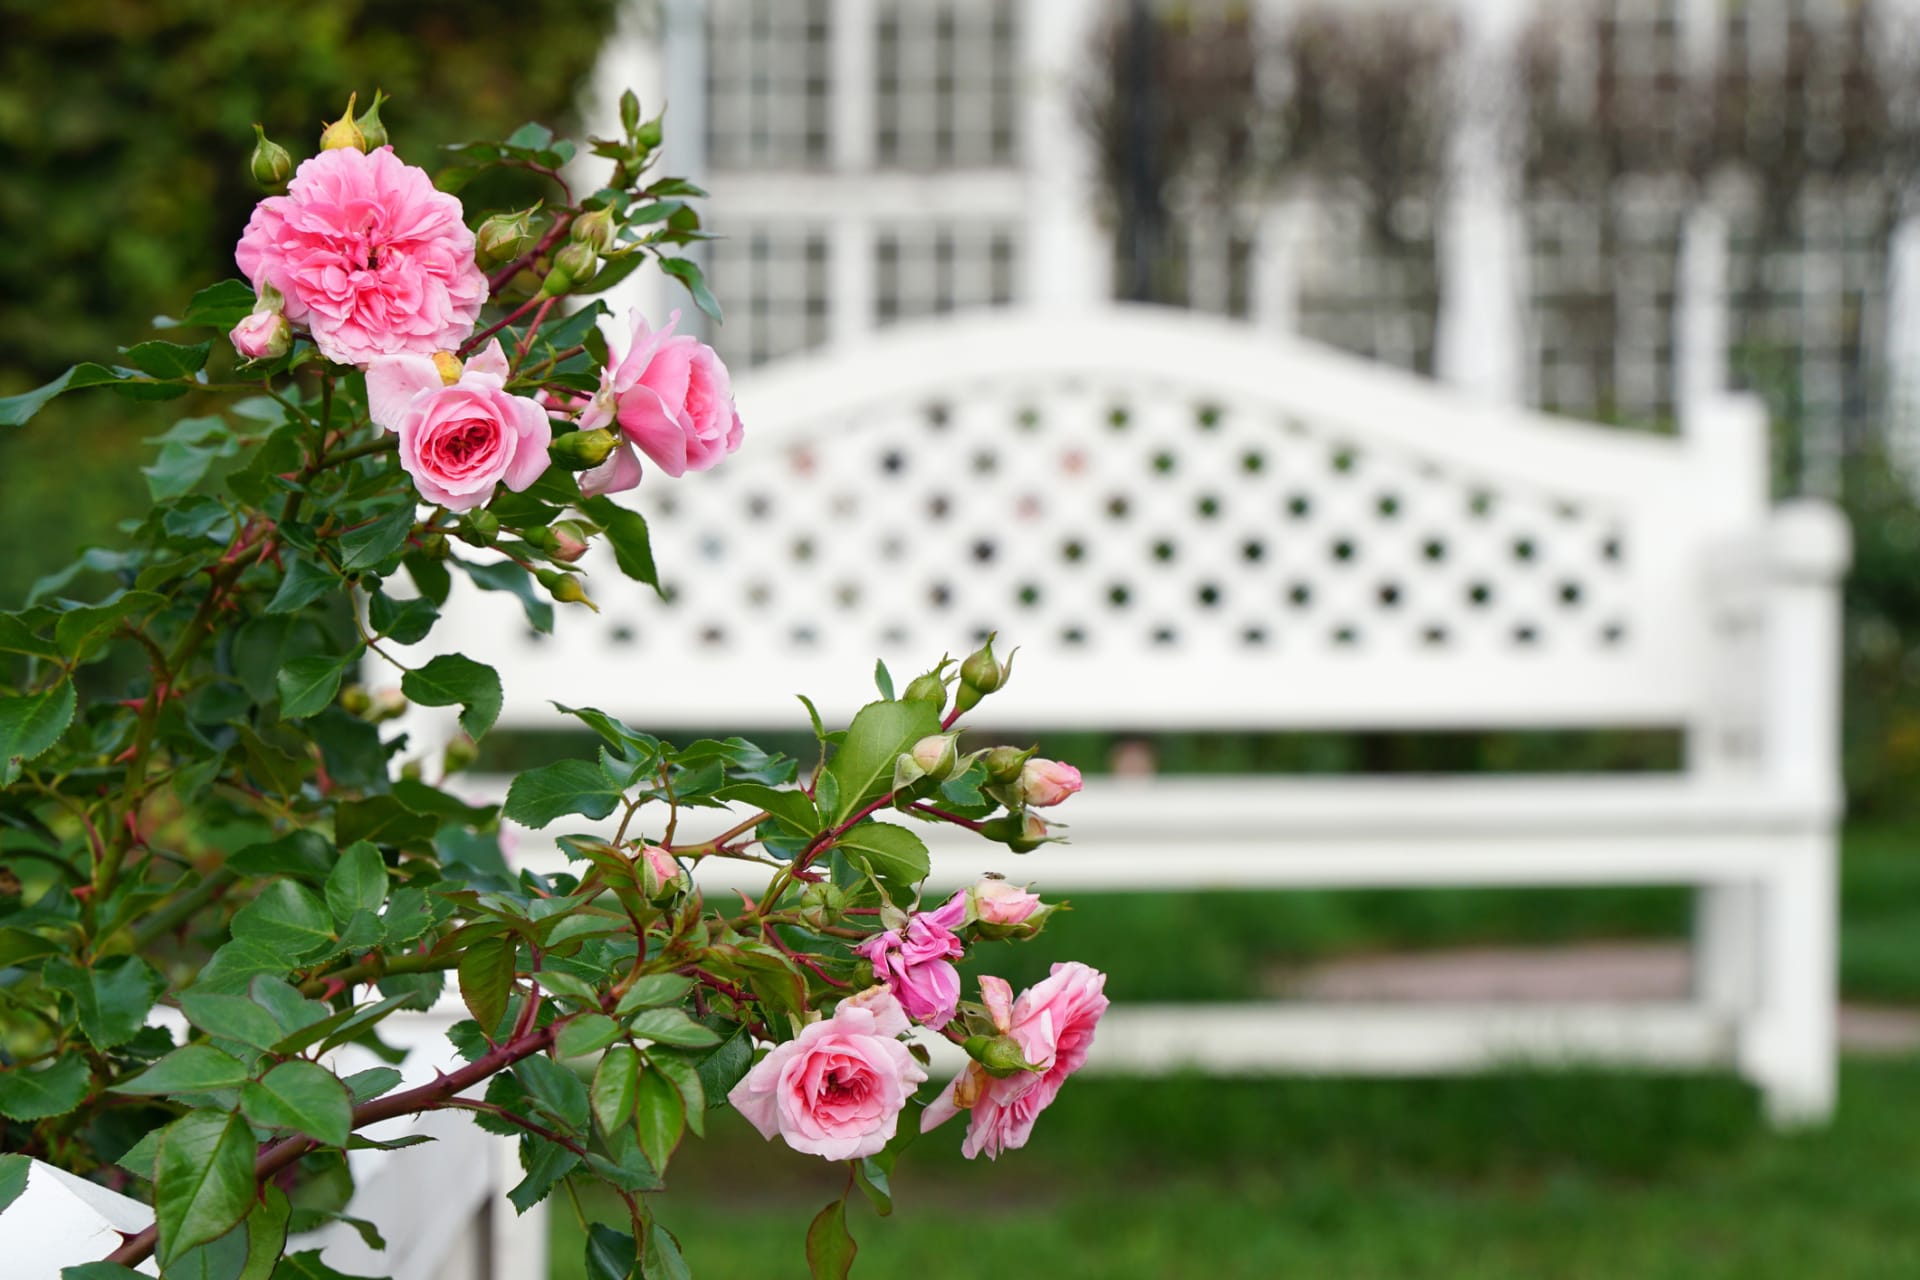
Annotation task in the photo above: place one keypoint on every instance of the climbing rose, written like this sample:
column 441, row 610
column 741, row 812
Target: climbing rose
column 1048, row 782
column 459, row 440
column 835, row 1090
column 916, row 962
column 371, row 259
column 1053, row 1024
column 998, row 901
column 670, row 394
column 262, row 336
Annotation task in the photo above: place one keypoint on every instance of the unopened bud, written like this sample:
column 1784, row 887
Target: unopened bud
column 647, row 136
column 506, row 236
column 594, row 229
column 1003, row 764
column 270, row 164
column 980, row 675
column 661, row 875
column 629, row 112
column 570, row 541
column 936, row 755
column 461, row 752
column 344, row 132
column 573, row 263
column 822, row 905
column 1020, row 832
column 930, row 688
column 565, row 588
column 479, row 527
column 448, row 366
column 433, row 545
column 1044, row 783
column 1000, row 1055
column 355, row 700
column 583, row 450
column 388, row 704
column 373, row 131
column 996, row 900
column 264, row 335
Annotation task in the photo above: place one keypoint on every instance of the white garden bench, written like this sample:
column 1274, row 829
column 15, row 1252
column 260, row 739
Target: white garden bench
column 1187, row 525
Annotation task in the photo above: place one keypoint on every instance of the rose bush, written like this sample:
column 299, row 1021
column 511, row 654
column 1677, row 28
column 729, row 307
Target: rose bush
column 220, row 863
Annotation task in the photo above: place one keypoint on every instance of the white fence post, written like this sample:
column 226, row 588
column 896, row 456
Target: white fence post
column 1067, row 260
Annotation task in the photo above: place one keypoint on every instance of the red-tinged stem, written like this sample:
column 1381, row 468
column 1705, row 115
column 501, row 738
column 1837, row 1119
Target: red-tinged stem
column 480, row 337
column 515, row 267
column 426, row 1097
column 921, row 806
column 526, row 343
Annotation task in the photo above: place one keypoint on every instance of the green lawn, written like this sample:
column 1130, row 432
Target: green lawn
column 1529, row 1175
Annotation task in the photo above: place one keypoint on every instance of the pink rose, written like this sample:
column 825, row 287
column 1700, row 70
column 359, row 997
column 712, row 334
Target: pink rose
column 369, row 256
column 997, row 901
column 1053, row 1024
column 459, row 441
column 916, row 962
column 835, row 1090
column 660, row 871
column 1047, row 782
column 262, row 336
column 671, row 396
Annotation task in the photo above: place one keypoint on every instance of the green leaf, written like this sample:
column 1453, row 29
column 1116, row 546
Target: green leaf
column 77, row 628
column 662, row 1260
column 358, row 882
column 555, row 1090
column 111, row 1000
column 286, row 918
column 685, row 1078
column 883, row 679
column 301, row 853
column 615, row 1083
column 232, row 1017
column 565, row 787
column 507, row 576
column 169, row 359
column 17, row 410
column 792, row 808
column 874, row 1180
column 291, row 1010
column 31, row 724
column 551, row 1162
column 862, row 769
column 27, row 1093
column 486, row 978
column 894, row 854
column 830, row 1246
column 627, row 534
column 405, row 621
column 367, row 1085
column 186, row 452
column 309, row 685
column 100, row 1271
column 450, row 679
column 586, row 1034
column 304, row 1098
column 722, row 1069
column 660, row 1116
column 220, row 306
column 203, row 1180
column 17, row 637
column 611, row 1255
column 672, row 1027
column 306, row 581
column 654, row 989
column 13, row 1178
column 373, row 543
column 381, row 820
column 688, row 273
column 197, row 1068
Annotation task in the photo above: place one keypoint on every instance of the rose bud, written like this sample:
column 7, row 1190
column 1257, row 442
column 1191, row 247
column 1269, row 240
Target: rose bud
column 565, row 588
column 1045, row 783
column 980, row 675
column 661, row 875
column 569, row 541
column 344, row 132
column 1004, row 764
column 575, row 263
column 935, row 755
column 373, row 132
column 999, row 901
column 583, row 450
column 1002, row 1056
column 264, row 335
column 270, row 164
column 930, row 688
column 461, row 752
column 595, row 229
column 822, row 904
column 505, row 236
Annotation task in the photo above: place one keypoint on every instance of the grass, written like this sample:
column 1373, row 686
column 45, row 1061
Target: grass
column 1567, row 1175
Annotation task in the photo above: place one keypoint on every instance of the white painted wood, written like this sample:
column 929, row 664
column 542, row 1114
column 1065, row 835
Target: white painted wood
column 1067, row 251
column 63, row 1220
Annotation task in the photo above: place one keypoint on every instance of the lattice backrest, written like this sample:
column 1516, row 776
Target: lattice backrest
column 1180, row 522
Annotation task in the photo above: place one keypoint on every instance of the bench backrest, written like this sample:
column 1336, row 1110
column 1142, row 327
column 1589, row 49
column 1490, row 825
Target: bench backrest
column 1180, row 522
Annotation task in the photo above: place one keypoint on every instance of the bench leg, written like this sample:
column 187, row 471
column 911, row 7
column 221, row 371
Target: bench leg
column 1790, row 1047
column 1726, row 946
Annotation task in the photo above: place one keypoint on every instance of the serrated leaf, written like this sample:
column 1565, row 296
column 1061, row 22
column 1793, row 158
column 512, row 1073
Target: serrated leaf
column 286, row 918
column 654, row 989
column 100, row 1271
column 303, row 1098
column 588, row 1033
column 382, row 820
column 78, row 628
column 507, row 576
column 367, row 1085
column 614, row 1087
column 566, row 787
column 373, row 543
column 358, row 882
column 894, row 854
column 34, row 1093
column 17, row 410
column 220, row 306
column 306, row 580
column 611, row 1255
column 308, row 685
column 830, row 1246
column 672, row 1027
column 555, row 1090
column 862, row 769
column 659, row 1116
column 232, row 1017
column 723, row 1068
column 450, row 680
column 688, row 273
column 31, row 724
column 203, row 1180
column 662, row 1260
column 486, row 978
column 169, row 359
column 196, row 1068
column 111, row 1000
column 627, row 534
column 551, row 1162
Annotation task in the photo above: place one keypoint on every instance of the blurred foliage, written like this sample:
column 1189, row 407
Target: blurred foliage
column 125, row 127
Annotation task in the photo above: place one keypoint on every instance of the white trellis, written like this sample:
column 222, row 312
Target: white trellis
column 1190, row 525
